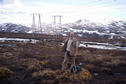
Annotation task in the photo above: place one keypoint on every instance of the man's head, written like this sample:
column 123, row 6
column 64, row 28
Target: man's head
column 71, row 34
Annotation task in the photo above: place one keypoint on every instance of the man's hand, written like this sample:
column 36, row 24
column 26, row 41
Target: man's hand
column 75, row 53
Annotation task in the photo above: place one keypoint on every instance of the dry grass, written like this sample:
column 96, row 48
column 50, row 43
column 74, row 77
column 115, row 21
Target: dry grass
column 45, row 74
column 67, row 76
column 114, row 62
column 5, row 72
column 33, row 64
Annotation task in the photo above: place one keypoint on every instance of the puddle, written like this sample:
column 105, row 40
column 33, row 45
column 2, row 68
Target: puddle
column 82, row 44
column 18, row 39
column 101, row 46
column 7, row 45
column 106, row 46
column 96, row 43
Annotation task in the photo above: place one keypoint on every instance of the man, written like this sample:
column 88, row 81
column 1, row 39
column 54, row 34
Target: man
column 71, row 49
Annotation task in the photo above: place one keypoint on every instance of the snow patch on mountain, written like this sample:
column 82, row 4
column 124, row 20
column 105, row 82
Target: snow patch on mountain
column 82, row 28
column 16, row 28
column 111, row 30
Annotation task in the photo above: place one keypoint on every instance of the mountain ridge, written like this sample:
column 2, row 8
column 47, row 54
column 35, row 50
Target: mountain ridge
column 82, row 28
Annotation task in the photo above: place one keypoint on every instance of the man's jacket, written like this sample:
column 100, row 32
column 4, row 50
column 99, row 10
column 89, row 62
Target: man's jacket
column 73, row 45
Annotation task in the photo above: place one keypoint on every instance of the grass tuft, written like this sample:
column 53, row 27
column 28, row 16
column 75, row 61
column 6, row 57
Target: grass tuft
column 5, row 72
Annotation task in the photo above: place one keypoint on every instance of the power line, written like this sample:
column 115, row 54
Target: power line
column 39, row 24
column 57, row 18
column 33, row 23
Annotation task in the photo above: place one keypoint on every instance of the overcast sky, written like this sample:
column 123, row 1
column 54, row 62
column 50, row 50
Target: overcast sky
column 20, row 11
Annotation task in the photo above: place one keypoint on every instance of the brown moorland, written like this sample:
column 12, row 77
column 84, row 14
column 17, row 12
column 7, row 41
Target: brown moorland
column 27, row 63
